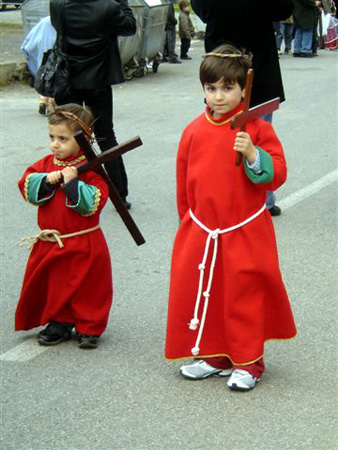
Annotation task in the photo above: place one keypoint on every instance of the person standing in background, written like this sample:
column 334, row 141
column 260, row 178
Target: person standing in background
column 169, row 54
column 304, row 16
column 186, row 29
column 90, row 36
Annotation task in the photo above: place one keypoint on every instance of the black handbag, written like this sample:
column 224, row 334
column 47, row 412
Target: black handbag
column 53, row 77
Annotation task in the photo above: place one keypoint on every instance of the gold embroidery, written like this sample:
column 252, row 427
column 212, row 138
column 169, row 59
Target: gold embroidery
column 221, row 123
column 96, row 203
column 26, row 186
column 227, row 356
column 58, row 162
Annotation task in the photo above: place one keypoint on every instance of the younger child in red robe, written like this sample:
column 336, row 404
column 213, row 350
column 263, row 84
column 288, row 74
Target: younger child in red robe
column 227, row 296
column 68, row 281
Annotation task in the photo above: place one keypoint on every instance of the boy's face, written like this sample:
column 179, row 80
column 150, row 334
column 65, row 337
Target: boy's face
column 62, row 141
column 222, row 97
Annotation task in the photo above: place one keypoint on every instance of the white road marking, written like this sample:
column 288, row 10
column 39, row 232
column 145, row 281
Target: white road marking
column 30, row 348
column 24, row 352
column 311, row 189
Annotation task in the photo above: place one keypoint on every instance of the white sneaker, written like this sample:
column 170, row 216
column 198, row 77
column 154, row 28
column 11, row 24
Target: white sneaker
column 200, row 369
column 242, row 380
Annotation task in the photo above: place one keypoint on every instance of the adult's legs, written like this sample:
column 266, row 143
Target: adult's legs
column 298, row 41
column 100, row 101
column 307, row 36
column 270, row 195
column 288, row 36
column 171, row 41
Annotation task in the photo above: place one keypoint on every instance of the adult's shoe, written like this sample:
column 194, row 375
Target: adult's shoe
column 275, row 210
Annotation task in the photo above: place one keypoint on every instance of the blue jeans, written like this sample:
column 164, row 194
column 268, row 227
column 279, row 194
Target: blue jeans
column 285, row 32
column 303, row 41
column 270, row 195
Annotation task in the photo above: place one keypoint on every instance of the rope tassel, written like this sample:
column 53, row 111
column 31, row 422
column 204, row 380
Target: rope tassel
column 212, row 234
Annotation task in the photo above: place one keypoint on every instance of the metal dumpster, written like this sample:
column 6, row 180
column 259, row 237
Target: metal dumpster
column 153, row 34
column 32, row 12
column 130, row 45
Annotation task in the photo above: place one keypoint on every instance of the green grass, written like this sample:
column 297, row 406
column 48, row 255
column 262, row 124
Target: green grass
column 11, row 26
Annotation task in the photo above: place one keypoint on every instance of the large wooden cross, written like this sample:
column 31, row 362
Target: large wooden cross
column 95, row 162
column 247, row 115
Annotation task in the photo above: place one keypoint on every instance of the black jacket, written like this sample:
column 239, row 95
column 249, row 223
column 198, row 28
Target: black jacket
column 248, row 24
column 305, row 14
column 91, row 30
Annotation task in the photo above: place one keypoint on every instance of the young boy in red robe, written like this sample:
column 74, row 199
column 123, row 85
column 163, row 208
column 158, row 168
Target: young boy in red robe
column 68, row 281
column 226, row 296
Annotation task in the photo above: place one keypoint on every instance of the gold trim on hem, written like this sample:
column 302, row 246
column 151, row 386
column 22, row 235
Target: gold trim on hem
column 227, row 356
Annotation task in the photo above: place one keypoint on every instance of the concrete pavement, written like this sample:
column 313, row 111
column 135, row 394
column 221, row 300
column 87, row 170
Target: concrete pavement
column 124, row 395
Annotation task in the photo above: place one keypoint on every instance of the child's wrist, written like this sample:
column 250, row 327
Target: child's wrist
column 252, row 155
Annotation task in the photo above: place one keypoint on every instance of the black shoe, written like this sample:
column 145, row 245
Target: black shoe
column 306, row 55
column 87, row 341
column 296, row 55
column 43, row 109
column 127, row 204
column 174, row 61
column 275, row 210
column 55, row 332
column 186, row 58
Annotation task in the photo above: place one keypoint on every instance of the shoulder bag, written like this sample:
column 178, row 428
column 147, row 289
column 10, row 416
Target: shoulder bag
column 53, row 78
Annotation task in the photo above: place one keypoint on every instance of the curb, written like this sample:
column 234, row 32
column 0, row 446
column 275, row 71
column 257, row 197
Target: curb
column 12, row 71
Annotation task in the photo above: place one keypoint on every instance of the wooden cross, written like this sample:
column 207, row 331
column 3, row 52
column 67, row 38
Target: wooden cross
column 95, row 162
column 247, row 115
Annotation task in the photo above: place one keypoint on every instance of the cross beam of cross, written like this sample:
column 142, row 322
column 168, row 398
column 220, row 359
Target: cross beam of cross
column 95, row 162
column 247, row 115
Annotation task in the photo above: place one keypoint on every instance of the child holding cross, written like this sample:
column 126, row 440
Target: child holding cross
column 68, row 281
column 227, row 295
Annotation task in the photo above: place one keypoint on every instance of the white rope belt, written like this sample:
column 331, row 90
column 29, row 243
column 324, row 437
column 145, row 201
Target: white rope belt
column 212, row 234
column 53, row 236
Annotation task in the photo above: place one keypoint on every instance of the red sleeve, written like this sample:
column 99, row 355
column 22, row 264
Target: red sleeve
column 181, row 175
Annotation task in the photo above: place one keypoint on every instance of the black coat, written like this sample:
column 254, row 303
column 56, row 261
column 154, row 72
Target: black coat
column 305, row 14
column 91, row 31
column 248, row 24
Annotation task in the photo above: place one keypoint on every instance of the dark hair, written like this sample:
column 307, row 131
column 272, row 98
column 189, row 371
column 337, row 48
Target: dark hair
column 183, row 4
column 231, row 69
column 74, row 116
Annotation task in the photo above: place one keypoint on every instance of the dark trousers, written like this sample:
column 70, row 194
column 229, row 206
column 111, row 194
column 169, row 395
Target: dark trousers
column 100, row 101
column 185, row 45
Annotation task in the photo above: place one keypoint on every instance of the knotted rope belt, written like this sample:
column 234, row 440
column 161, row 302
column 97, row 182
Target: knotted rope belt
column 53, row 236
column 212, row 234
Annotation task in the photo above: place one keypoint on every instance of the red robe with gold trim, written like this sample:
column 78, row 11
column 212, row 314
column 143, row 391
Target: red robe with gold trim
column 248, row 303
column 74, row 283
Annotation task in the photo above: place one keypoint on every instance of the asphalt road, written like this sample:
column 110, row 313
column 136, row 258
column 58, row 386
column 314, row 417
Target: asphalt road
column 125, row 395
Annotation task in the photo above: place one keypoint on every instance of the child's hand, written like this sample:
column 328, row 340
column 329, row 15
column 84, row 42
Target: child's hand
column 54, row 177
column 244, row 145
column 69, row 173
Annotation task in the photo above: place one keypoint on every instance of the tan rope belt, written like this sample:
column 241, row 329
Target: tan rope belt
column 53, row 236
